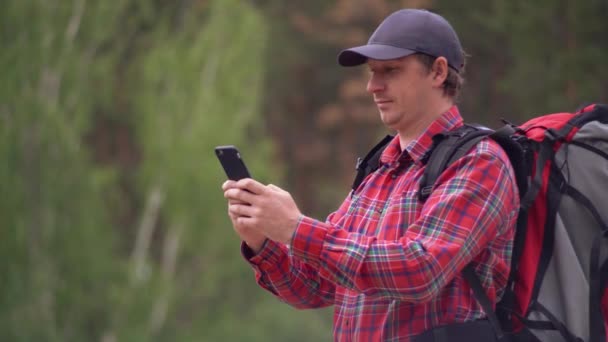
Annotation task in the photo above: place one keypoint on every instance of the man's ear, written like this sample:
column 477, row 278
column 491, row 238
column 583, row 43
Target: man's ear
column 439, row 71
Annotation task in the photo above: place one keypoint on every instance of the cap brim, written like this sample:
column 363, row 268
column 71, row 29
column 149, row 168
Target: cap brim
column 359, row 55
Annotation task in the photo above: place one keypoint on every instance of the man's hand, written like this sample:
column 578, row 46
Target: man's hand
column 255, row 240
column 271, row 211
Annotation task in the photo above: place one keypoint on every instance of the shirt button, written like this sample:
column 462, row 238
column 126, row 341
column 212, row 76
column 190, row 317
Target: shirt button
column 393, row 175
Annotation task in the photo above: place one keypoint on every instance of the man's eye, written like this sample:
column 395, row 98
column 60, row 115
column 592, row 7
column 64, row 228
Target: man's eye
column 383, row 71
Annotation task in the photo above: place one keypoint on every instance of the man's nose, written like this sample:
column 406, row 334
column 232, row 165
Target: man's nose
column 374, row 84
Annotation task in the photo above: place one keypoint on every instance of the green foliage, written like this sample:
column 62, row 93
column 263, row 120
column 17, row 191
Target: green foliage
column 58, row 267
column 531, row 57
column 182, row 79
column 197, row 88
column 114, row 224
column 566, row 70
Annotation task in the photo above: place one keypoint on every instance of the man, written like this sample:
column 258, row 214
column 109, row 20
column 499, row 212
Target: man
column 389, row 263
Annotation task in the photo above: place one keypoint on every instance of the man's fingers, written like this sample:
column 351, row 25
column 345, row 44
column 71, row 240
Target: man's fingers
column 245, row 221
column 241, row 210
column 251, row 185
column 237, row 194
column 237, row 202
column 229, row 184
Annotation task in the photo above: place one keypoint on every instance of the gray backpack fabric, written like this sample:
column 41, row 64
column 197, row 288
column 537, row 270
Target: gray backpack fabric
column 558, row 285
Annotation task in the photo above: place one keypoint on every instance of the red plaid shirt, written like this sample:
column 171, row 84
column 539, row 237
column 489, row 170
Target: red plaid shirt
column 390, row 264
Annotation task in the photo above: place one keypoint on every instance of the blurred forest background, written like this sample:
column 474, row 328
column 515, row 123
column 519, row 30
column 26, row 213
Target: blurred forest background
column 113, row 224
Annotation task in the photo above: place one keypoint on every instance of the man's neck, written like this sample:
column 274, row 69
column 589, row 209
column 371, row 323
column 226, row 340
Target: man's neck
column 413, row 131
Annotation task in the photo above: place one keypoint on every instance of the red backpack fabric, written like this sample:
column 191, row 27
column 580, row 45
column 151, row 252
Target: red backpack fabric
column 558, row 284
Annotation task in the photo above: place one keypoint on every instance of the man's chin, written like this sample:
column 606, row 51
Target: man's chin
column 388, row 120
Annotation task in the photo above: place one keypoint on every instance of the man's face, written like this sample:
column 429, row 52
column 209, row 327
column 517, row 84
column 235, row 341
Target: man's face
column 401, row 89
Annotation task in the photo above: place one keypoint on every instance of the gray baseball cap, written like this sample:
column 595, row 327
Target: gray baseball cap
column 406, row 32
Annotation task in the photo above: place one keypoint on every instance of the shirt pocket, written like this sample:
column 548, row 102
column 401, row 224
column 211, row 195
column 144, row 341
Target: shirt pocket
column 365, row 215
column 401, row 210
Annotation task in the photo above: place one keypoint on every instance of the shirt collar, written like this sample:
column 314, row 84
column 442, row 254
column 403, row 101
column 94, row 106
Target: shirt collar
column 418, row 147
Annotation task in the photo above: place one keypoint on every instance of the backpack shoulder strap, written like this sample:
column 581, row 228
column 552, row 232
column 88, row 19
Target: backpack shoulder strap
column 505, row 137
column 370, row 162
column 447, row 148
column 482, row 298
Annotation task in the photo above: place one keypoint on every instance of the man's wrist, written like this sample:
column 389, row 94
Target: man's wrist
column 256, row 246
column 295, row 229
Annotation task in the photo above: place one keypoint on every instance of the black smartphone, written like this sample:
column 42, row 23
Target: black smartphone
column 231, row 161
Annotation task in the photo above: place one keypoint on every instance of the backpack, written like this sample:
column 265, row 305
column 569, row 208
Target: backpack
column 557, row 289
